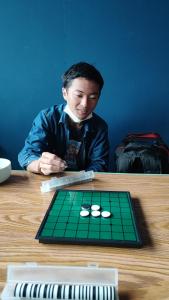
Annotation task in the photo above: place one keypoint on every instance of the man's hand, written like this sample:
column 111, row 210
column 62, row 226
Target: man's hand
column 47, row 164
column 51, row 163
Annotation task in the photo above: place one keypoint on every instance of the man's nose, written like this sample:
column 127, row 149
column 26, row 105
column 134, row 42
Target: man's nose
column 83, row 101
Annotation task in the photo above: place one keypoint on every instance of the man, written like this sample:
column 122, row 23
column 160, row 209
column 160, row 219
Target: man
column 70, row 136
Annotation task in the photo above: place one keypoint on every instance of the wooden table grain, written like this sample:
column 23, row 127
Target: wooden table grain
column 143, row 272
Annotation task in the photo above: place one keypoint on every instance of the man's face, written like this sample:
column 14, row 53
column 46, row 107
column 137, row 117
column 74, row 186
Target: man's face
column 81, row 96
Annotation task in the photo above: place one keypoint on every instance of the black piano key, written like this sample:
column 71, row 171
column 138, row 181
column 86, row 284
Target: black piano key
column 98, row 293
column 106, row 289
column 15, row 289
column 104, row 293
column 24, row 290
column 35, row 291
column 70, row 292
column 79, row 292
column 90, row 293
column 59, row 292
column 94, row 293
column 83, row 292
column 45, row 291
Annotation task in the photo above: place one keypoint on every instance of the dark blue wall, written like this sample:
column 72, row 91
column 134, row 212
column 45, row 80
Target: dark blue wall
column 128, row 41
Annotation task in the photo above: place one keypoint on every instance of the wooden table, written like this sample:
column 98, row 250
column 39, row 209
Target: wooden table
column 143, row 273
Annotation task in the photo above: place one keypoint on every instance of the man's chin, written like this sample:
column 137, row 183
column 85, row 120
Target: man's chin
column 82, row 116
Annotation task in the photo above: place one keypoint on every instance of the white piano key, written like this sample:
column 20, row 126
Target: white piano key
column 51, row 290
column 62, row 291
column 77, row 292
column 112, row 296
column 17, row 289
column 67, row 287
column 28, row 291
column 31, row 290
column 42, row 290
column 97, row 292
column 55, row 291
column 107, row 293
column 87, row 293
column 101, row 294
column 90, row 292
column 20, row 287
column 38, row 291
column 73, row 292
column 20, row 290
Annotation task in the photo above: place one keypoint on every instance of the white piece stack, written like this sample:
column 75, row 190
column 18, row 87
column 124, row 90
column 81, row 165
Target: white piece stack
column 33, row 281
column 56, row 183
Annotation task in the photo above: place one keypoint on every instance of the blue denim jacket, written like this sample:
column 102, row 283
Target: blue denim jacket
column 50, row 133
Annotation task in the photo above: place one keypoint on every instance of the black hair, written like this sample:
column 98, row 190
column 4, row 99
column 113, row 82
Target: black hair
column 85, row 70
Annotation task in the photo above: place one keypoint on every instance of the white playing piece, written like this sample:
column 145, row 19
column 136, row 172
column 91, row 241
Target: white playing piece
column 95, row 207
column 105, row 214
column 84, row 213
column 95, row 213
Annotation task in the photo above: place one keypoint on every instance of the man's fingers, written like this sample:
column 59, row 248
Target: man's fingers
column 49, row 155
column 52, row 159
column 47, row 169
column 45, row 172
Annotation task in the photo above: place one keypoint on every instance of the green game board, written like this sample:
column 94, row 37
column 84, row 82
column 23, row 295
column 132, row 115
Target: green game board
column 63, row 223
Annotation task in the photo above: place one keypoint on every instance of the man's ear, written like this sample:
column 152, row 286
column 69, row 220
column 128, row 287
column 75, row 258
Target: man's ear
column 64, row 93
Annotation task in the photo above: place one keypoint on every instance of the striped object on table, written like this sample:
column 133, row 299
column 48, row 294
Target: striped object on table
column 63, row 291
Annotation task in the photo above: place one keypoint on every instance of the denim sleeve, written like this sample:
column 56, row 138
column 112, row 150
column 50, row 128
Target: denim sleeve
column 99, row 153
column 36, row 142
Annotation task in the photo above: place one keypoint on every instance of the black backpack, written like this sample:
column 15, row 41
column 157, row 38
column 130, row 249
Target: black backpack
column 142, row 153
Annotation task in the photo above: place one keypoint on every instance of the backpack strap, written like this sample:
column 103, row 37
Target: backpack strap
column 151, row 161
column 124, row 162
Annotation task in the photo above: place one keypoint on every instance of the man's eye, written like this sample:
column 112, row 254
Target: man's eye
column 78, row 95
column 92, row 97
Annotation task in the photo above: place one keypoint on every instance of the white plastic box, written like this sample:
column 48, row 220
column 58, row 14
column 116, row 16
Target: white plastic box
column 82, row 279
column 58, row 183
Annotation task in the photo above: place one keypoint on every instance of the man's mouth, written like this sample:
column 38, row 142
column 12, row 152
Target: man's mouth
column 83, row 112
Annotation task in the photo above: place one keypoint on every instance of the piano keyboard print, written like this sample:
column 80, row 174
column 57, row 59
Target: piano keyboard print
column 63, row 291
